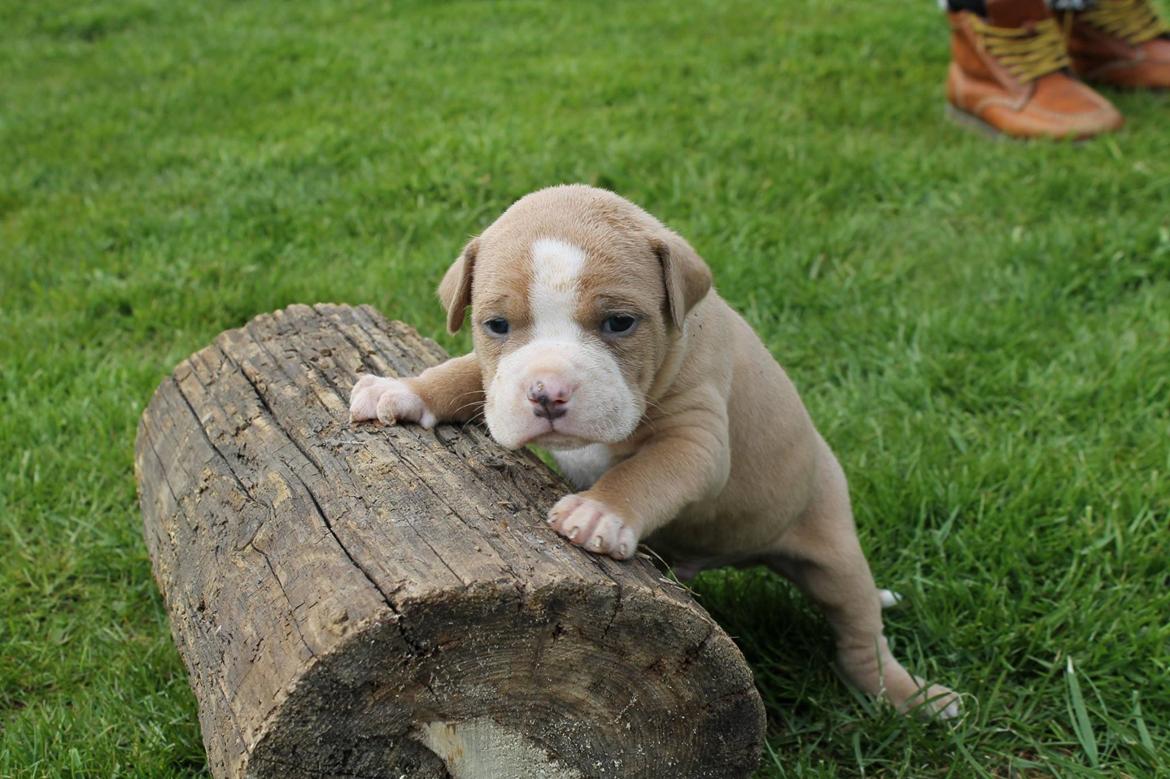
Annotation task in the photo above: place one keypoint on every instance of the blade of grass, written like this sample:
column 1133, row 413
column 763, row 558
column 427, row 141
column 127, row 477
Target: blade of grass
column 1081, row 724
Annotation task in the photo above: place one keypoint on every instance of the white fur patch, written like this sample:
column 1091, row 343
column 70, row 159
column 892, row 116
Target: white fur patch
column 584, row 466
column 556, row 268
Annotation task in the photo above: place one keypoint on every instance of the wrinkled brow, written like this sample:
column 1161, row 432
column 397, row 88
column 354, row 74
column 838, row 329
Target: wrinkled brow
column 498, row 300
column 616, row 301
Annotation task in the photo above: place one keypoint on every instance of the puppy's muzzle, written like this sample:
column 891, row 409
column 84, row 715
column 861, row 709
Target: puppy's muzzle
column 550, row 397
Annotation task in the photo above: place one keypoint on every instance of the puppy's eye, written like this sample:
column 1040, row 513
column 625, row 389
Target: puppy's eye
column 619, row 324
column 497, row 326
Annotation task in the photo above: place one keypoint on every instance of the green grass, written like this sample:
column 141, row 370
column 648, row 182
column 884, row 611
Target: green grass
column 981, row 330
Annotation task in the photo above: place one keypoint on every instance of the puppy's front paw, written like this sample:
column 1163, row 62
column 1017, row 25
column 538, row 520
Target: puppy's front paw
column 591, row 524
column 388, row 400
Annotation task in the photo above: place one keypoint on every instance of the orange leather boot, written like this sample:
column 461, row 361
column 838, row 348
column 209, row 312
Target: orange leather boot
column 1122, row 43
column 1009, row 74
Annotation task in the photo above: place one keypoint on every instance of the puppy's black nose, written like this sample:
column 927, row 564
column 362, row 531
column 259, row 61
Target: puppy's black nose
column 549, row 399
column 549, row 409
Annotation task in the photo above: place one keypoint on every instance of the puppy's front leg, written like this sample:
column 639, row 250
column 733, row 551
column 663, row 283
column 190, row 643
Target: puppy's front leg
column 449, row 392
column 678, row 465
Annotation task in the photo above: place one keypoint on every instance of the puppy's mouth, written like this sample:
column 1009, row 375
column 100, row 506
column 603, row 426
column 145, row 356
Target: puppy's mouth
column 557, row 439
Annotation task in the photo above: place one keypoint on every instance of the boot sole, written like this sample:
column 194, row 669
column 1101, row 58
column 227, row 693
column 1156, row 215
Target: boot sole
column 973, row 123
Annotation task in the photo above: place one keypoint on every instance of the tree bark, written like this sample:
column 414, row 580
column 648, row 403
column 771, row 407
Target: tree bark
column 361, row 600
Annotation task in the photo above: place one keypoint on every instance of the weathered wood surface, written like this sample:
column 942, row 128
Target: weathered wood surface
column 357, row 600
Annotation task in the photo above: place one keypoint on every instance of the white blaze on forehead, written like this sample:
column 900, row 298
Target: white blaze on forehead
column 552, row 297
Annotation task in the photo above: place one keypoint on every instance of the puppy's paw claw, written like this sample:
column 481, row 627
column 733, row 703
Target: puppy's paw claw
column 389, row 401
column 591, row 524
column 932, row 701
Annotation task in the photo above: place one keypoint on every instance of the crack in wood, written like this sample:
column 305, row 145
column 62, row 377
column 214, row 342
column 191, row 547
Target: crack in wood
column 201, row 678
column 320, row 467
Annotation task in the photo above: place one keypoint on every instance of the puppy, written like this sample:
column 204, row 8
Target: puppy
column 599, row 338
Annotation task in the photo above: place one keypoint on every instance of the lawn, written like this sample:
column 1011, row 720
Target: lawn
column 981, row 330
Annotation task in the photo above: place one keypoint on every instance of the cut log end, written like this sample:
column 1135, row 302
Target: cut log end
column 367, row 601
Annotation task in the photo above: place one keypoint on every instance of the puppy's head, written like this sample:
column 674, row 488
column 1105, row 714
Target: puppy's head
column 576, row 297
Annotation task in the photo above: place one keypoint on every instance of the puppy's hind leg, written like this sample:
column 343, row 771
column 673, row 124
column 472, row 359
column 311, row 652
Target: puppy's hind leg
column 822, row 556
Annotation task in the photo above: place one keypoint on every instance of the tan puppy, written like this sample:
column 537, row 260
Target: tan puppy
column 598, row 337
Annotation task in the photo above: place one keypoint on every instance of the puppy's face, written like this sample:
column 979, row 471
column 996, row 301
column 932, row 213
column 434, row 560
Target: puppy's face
column 576, row 295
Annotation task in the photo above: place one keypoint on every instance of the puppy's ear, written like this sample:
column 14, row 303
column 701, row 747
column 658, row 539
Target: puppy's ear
column 455, row 288
column 687, row 277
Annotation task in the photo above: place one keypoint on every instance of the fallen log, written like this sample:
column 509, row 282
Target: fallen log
column 357, row 600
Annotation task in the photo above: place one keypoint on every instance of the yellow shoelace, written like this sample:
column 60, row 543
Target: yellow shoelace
column 1026, row 52
column 1134, row 21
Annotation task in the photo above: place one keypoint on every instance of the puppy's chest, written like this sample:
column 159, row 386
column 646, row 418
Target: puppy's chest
column 584, row 466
